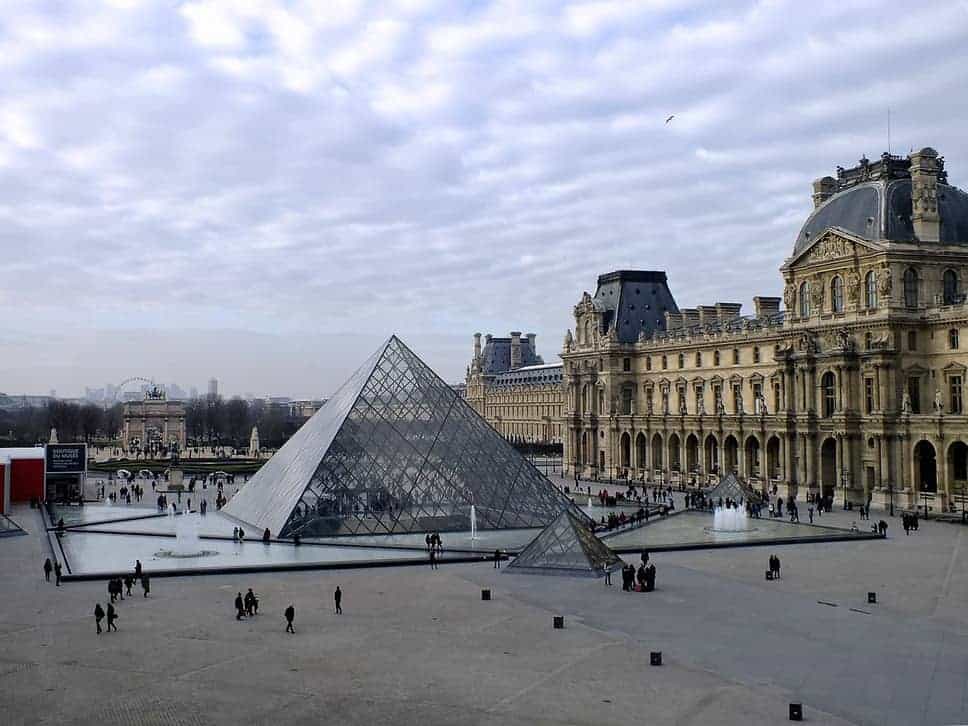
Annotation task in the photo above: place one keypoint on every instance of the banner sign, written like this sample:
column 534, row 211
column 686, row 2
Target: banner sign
column 66, row 458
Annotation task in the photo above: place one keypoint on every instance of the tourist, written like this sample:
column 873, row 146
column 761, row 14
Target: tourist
column 128, row 582
column 112, row 616
column 48, row 568
column 241, row 534
column 239, row 607
column 251, row 603
column 57, row 573
column 235, row 534
column 137, row 568
column 111, row 589
column 650, row 578
column 608, row 575
column 429, row 540
column 810, row 513
column 98, row 616
column 145, row 585
column 497, row 559
column 290, row 614
column 338, row 598
column 266, row 536
column 433, row 558
column 776, row 566
column 640, row 576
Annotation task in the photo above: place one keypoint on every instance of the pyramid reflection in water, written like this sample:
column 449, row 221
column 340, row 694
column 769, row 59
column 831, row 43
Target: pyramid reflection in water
column 395, row 450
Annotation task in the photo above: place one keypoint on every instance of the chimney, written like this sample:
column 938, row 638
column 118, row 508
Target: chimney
column 673, row 321
column 531, row 338
column 924, row 195
column 766, row 306
column 515, row 349
column 707, row 314
column 728, row 311
column 477, row 346
column 690, row 317
column 823, row 189
column 487, row 338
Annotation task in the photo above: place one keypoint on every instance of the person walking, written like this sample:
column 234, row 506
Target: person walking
column 48, row 568
column 290, row 614
column 111, row 589
column 112, row 616
column 137, row 568
column 776, row 564
column 810, row 513
column 239, row 607
column 608, row 575
column 497, row 559
column 98, row 616
column 338, row 598
column 433, row 558
column 146, row 586
column 57, row 573
column 128, row 583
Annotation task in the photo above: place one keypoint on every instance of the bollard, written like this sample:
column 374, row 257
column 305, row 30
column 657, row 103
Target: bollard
column 655, row 658
column 485, row 594
column 796, row 712
column 559, row 622
column 872, row 598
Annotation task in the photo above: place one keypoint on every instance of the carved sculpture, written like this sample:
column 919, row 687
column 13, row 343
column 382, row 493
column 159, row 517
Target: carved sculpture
column 790, row 296
column 938, row 401
column 906, row 403
column 884, row 283
column 852, row 283
column 816, row 294
column 568, row 341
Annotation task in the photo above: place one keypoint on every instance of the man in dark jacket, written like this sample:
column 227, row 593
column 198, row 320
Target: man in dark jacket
column 57, row 573
column 48, row 568
column 98, row 616
column 290, row 614
column 239, row 607
column 112, row 616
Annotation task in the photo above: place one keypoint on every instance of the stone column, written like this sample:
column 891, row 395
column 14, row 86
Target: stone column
column 811, row 450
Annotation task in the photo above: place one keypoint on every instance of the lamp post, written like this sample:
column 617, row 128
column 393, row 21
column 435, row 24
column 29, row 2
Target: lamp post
column 844, row 478
column 890, row 491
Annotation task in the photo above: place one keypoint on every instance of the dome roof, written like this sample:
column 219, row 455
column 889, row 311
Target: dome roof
column 881, row 210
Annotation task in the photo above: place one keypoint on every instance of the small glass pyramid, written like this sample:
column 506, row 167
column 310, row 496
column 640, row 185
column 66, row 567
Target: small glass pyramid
column 729, row 487
column 395, row 450
column 566, row 547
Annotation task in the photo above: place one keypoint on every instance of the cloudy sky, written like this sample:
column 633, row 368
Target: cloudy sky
column 262, row 191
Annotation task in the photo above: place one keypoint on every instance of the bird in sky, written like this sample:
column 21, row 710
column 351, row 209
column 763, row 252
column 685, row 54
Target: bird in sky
column 670, row 118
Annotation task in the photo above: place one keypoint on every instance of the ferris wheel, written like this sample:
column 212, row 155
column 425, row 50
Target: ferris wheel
column 119, row 392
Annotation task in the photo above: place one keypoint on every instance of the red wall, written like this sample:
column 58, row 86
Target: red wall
column 26, row 480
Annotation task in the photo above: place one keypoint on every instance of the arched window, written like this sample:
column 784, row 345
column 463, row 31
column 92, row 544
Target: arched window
column 698, row 360
column 716, row 358
column 648, row 363
column 682, row 361
column 756, row 354
column 950, row 287
column 805, row 300
column 829, row 391
column 911, row 288
column 735, row 356
column 870, row 290
column 953, row 339
column 588, row 332
column 837, row 294
column 665, row 362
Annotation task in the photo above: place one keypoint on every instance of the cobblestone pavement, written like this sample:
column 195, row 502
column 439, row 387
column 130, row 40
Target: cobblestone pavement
column 419, row 646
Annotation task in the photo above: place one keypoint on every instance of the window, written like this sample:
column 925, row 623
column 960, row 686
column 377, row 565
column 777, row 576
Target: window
column 626, row 364
column 912, row 340
column 914, row 391
column 627, row 401
column 682, row 361
column 665, row 362
column 868, row 339
column 950, row 294
column 756, row 354
column 870, row 290
column 648, row 363
column 758, row 394
column 735, row 356
column 910, row 288
column 953, row 339
column 805, row 300
column 665, row 400
column 698, row 390
column 954, row 390
column 698, row 360
column 869, row 395
column 716, row 358
column 828, row 390
column 837, row 294
column 718, row 397
column 776, row 397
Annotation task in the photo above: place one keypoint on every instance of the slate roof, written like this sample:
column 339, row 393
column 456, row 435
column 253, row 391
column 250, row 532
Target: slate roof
column 634, row 300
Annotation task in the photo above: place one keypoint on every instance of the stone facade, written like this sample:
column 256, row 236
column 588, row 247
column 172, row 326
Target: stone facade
column 153, row 422
column 856, row 390
column 514, row 390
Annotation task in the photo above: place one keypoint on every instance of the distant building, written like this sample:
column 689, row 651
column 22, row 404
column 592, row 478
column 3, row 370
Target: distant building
column 212, row 387
column 153, row 422
column 512, row 387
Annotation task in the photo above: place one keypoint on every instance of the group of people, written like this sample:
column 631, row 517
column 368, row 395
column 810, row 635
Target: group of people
column 117, row 586
column 638, row 580
column 774, row 567
column 909, row 520
column 247, row 606
column 238, row 534
column 52, row 567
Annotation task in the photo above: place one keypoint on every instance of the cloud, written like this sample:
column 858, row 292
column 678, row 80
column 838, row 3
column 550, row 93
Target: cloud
column 343, row 170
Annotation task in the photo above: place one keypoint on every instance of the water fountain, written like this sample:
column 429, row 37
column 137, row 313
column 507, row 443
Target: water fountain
column 473, row 522
column 731, row 519
column 188, row 543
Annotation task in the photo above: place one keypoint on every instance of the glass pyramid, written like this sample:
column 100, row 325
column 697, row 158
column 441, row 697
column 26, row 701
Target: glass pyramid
column 395, row 450
column 729, row 487
column 567, row 547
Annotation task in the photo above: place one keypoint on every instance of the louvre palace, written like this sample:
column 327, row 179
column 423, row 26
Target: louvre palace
column 852, row 384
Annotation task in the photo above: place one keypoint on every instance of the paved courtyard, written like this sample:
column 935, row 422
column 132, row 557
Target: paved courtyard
column 419, row 646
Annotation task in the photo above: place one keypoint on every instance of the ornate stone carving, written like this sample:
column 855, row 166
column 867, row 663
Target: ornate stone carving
column 828, row 248
column 852, row 283
column 906, row 403
column 790, row 296
column 568, row 341
column 938, row 401
column 816, row 294
column 885, row 283
column 807, row 343
column 881, row 341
